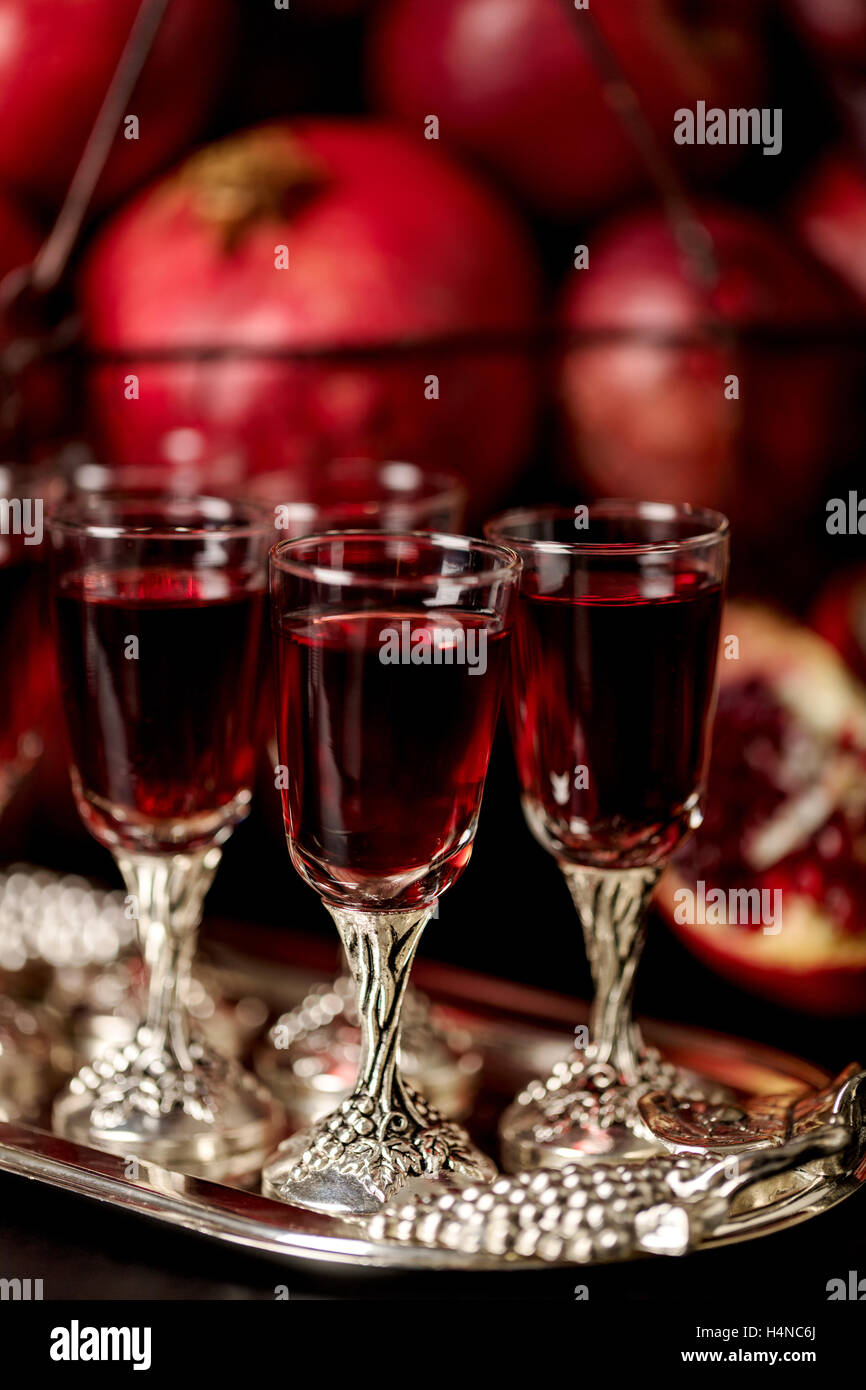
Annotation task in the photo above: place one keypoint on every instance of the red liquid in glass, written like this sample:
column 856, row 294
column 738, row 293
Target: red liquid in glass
column 610, row 698
column 163, row 742
column 27, row 657
column 386, row 762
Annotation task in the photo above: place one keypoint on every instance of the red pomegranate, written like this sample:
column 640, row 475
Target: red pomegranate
column 839, row 615
column 387, row 244
column 515, row 83
column 330, row 9
column 835, row 28
column 31, row 396
column 56, row 61
column 18, row 239
column 646, row 397
column 830, row 216
column 786, row 811
column 19, row 243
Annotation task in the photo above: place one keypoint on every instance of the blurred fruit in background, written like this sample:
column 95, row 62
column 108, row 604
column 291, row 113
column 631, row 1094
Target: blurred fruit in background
column 839, row 615
column 644, row 397
column 31, row 387
column 331, row 8
column 390, row 245
column 19, row 242
column 829, row 213
column 514, row 83
column 56, row 62
column 833, row 33
column 786, row 810
column 836, row 29
column 19, row 239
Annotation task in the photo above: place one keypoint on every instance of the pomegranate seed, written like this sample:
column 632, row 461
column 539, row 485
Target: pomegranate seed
column 809, row 880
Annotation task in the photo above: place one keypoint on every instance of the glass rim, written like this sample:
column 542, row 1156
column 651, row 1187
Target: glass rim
column 39, row 472
column 93, row 477
column 444, row 486
column 714, row 524
column 323, row 574
column 70, row 517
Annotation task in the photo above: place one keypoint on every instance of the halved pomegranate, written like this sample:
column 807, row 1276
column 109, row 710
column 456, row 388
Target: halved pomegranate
column 829, row 213
column 785, row 810
column 839, row 615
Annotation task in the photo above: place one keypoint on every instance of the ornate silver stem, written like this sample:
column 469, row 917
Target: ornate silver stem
column 380, row 949
column 612, row 905
column 384, row 1133
column 166, row 1096
column 169, row 894
column 588, row 1109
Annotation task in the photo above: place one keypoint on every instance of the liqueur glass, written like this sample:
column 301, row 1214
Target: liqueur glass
column 390, row 655
column 611, row 702
column 28, row 494
column 158, row 605
column 338, row 495
column 360, row 494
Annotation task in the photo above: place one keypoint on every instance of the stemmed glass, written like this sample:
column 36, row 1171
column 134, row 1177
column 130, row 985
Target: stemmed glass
column 390, row 658
column 28, row 493
column 27, row 496
column 158, row 604
column 611, row 705
column 360, row 494
column 347, row 494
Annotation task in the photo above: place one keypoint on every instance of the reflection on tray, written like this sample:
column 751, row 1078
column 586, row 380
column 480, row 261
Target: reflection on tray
column 708, row 1192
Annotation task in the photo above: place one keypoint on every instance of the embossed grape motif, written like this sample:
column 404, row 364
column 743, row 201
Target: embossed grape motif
column 383, row 1148
column 665, row 1205
column 145, row 1080
column 577, row 1215
column 582, row 1091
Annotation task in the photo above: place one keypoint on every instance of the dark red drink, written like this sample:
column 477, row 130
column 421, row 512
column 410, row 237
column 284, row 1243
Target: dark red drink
column 158, row 668
column 612, row 688
column 386, row 758
column 28, row 661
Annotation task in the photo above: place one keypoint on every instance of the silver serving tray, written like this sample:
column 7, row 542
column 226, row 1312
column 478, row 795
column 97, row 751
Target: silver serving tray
column 519, row 1033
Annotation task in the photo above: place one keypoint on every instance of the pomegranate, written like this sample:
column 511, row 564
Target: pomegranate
column 647, row 394
column 31, row 396
column 786, row 814
column 836, row 28
column 331, row 9
column 19, row 241
column 839, row 615
column 830, row 216
column 56, row 61
column 515, row 83
column 18, row 245
column 387, row 244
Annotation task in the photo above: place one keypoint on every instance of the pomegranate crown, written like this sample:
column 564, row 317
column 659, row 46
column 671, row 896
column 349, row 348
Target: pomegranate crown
column 249, row 178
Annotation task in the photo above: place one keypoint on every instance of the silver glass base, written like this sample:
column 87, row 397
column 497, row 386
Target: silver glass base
column 34, row 1057
column 358, row 1158
column 210, row 1119
column 310, row 1057
column 585, row 1112
column 105, row 1006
